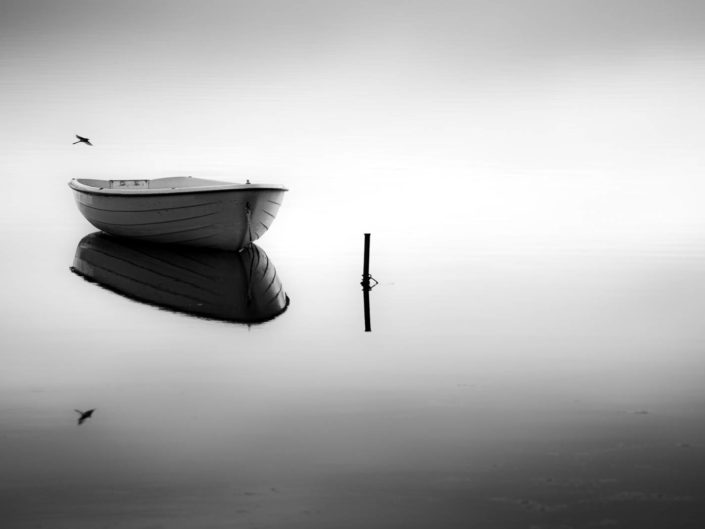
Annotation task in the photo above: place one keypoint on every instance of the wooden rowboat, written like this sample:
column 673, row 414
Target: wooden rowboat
column 180, row 210
column 232, row 286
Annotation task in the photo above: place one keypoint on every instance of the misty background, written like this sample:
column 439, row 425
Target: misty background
column 531, row 174
column 555, row 121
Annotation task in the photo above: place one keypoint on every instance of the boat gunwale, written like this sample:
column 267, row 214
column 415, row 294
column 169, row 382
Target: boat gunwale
column 80, row 187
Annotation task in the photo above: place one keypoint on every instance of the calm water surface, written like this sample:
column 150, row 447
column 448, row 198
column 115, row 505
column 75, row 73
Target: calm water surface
column 539, row 387
column 532, row 176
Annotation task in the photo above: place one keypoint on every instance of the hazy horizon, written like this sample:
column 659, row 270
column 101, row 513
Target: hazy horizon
column 531, row 173
column 551, row 120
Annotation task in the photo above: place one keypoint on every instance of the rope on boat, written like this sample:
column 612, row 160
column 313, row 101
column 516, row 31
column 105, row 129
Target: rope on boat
column 250, row 273
column 248, row 215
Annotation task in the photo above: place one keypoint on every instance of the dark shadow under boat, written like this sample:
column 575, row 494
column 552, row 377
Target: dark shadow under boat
column 216, row 284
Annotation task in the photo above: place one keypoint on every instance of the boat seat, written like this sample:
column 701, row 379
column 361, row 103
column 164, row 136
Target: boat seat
column 132, row 184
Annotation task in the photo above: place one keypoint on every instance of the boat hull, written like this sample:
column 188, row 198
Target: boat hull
column 227, row 219
column 231, row 286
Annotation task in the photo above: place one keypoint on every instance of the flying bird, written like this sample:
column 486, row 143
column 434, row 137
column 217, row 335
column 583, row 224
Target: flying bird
column 84, row 415
column 81, row 139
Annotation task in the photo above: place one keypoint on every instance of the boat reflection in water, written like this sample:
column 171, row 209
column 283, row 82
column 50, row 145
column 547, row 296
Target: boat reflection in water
column 225, row 285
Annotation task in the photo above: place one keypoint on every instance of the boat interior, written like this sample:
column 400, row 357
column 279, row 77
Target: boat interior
column 157, row 183
column 162, row 186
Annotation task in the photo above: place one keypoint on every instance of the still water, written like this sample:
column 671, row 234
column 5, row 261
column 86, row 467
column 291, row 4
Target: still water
column 532, row 177
column 525, row 386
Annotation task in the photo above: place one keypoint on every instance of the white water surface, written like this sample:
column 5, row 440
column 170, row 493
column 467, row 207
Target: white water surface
column 531, row 175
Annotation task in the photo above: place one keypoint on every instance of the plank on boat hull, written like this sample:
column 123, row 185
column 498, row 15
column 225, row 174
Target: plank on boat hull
column 212, row 219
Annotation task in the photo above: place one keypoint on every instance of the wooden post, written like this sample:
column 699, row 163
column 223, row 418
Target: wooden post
column 366, row 283
column 366, row 261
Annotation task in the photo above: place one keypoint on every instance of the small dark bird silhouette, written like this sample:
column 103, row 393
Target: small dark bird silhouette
column 84, row 415
column 81, row 139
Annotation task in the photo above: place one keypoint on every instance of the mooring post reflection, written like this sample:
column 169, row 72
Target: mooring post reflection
column 225, row 285
column 366, row 283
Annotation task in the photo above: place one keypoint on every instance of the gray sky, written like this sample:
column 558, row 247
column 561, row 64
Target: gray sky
column 532, row 174
column 589, row 112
